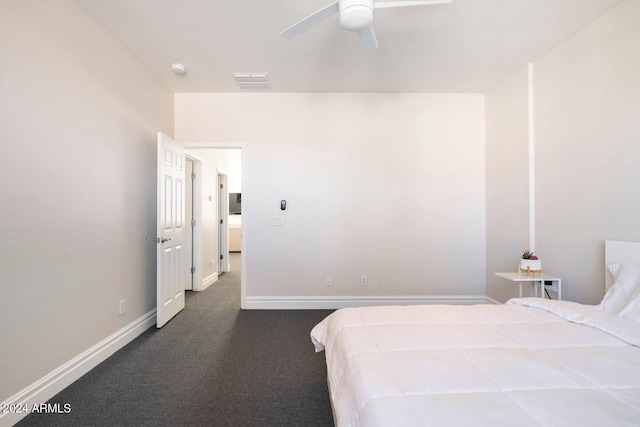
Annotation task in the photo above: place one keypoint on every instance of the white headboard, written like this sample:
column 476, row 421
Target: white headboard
column 616, row 252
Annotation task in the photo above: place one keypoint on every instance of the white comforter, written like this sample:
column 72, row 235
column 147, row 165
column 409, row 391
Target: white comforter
column 530, row 362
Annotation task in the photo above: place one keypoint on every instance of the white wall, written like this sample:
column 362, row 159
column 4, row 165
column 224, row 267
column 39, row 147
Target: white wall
column 350, row 165
column 78, row 117
column 587, row 152
column 587, row 102
column 507, row 166
column 234, row 178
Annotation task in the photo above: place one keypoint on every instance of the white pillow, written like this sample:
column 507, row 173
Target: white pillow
column 613, row 270
column 632, row 309
column 619, row 294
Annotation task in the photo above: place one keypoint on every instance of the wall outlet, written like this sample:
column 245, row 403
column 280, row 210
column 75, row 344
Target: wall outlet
column 364, row 281
column 329, row 281
column 121, row 309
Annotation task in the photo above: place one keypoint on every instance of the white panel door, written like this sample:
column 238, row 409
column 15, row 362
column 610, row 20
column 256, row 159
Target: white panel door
column 172, row 265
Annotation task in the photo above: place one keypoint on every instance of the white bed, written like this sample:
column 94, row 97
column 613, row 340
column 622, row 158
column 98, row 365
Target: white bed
column 530, row 362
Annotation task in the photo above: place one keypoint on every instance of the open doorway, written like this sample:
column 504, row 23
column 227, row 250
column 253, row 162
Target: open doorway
column 218, row 177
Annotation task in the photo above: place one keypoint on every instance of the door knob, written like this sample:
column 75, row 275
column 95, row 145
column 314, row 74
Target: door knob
column 164, row 239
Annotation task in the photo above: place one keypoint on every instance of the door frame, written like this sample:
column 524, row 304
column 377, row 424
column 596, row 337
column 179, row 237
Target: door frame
column 196, row 253
column 187, row 237
column 245, row 212
column 223, row 220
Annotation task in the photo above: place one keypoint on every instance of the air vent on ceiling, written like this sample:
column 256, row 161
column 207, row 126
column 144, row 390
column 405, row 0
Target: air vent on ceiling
column 252, row 80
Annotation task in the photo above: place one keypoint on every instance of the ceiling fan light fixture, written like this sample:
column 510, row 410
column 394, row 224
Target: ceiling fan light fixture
column 356, row 14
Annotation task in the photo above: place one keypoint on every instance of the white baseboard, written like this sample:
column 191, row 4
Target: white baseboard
column 208, row 281
column 57, row 380
column 335, row 302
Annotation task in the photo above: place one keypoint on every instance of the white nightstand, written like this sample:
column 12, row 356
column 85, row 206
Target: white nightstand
column 537, row 280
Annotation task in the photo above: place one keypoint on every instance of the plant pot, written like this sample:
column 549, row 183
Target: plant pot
column 531, row 264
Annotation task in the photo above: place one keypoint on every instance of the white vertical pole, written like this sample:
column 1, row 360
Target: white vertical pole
column 531, row 139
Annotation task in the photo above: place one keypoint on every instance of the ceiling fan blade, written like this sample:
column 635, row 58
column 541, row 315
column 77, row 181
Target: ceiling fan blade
column 311, row 20
column 378, row 4
column 368, row 39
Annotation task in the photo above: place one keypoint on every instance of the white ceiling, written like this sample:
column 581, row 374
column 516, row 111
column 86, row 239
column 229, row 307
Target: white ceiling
column 464, row 46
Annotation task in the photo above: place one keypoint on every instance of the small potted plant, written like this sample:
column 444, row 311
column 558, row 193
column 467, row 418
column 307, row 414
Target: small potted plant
column 530, row 262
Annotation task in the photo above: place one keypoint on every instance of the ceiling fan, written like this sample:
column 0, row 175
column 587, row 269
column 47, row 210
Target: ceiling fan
column 355, row 15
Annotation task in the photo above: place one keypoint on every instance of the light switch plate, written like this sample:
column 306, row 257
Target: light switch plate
column 276, row 220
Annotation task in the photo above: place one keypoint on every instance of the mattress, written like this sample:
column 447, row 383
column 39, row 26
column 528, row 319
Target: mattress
column 530, row 362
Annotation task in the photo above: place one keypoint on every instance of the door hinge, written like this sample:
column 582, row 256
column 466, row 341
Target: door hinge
column 220, row 256
column 193, row 222
column 222, row 221
column 221, row 186
column 193, row 176
column 193, row 270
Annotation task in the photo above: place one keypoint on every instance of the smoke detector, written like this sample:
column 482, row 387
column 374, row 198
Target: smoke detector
column 179, row 69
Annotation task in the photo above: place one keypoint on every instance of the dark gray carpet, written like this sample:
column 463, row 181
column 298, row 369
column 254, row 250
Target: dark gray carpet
column 212, row 365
